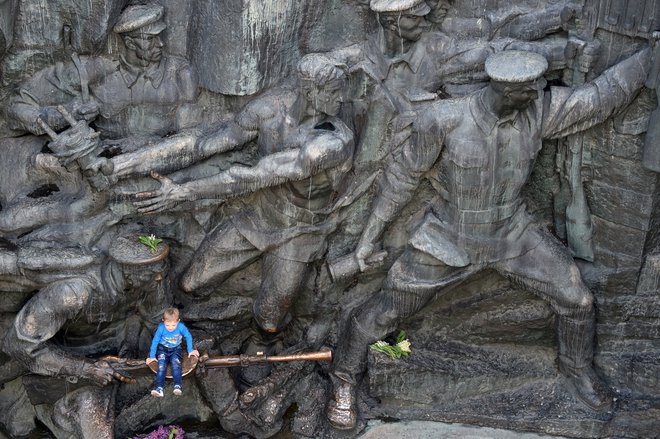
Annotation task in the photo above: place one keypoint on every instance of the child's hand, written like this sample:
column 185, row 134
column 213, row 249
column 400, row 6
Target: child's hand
column 194, row 353
column 150, row 360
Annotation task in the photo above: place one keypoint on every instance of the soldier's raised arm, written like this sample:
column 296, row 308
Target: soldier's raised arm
column 568, row 111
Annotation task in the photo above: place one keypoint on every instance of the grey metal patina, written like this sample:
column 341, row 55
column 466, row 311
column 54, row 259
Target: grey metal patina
column 323, row 174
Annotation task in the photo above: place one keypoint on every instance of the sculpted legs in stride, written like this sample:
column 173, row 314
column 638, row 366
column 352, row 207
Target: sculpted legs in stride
column 482, row 147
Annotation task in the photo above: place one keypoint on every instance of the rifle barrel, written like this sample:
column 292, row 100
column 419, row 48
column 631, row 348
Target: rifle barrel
column 243, row 360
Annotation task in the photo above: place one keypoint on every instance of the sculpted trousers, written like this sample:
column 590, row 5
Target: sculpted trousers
column 226, row 251
column 416, row 278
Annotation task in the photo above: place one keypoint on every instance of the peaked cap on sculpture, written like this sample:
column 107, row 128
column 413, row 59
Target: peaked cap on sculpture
column 515, row 66
column 404, row 7
column 146, row 18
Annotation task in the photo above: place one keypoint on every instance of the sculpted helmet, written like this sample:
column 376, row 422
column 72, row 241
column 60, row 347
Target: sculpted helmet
column 404, row 7
column 148, row 19
column 515, row 66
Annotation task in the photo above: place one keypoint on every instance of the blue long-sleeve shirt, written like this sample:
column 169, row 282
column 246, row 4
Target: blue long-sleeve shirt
column 170, row 339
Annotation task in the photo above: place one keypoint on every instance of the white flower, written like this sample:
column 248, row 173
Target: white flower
column 404, row 346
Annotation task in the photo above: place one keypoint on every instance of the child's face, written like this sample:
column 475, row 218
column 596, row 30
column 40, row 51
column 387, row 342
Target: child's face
column 170, row 325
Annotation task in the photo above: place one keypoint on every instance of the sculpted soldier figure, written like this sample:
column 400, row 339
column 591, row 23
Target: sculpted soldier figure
column 86, row 315
column 142, row 92
column 481, row 149
column 305, row 151
column 405, row 64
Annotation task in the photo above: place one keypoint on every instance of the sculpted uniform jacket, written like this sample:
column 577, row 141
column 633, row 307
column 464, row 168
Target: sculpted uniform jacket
column 288, row 218
column 479, row 163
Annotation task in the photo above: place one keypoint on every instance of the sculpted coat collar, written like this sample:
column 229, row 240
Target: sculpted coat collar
column 413, row 57
column 131, row 74
column 486, row 120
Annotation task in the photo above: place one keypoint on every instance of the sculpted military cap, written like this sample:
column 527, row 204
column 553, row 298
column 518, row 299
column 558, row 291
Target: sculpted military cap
column 515, row 66
column 129, row 250
column 408, row 7
column 146, row 18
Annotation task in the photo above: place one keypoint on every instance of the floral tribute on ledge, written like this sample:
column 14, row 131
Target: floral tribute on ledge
column 163, row 432
column 400, row 348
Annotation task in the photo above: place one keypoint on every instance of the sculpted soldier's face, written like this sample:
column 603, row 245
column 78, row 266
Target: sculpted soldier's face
column 439, row 10
column 147, row 47
column 516, row 96
column 408, row 27
column 327, row 99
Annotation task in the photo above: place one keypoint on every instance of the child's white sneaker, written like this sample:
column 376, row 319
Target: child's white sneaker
column 177, row 390
column 158, row 391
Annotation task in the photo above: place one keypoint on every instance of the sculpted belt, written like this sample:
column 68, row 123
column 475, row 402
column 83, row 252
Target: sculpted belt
column 492, row 215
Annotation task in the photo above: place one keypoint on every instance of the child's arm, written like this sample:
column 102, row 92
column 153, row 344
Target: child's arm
column 154, row 345
column 189, row 341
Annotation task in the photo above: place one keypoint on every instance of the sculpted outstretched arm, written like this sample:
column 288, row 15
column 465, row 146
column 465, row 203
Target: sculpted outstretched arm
column 417, row 154
column 28, row 339
column 318, row 152
column 181, row 150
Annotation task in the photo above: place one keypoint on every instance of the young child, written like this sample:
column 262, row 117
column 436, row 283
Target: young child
column 166, row 348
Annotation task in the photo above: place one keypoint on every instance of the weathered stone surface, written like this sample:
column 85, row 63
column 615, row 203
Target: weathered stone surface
column 260, row 41
column 631, row 372
column 620, row 172
column 484, row 352
column 17, row 415
column 39, row 36
column 605, row 139
column 649, row 278
column 618, row 239
column 428, row 430
column 620, row 205
column 437, row 372
column 626, row 306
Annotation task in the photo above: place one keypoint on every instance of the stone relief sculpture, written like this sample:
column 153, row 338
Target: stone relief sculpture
column 129, row 99
column 325, row 173
column 404, row 64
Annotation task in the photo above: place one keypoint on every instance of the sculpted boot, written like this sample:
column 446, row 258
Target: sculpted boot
column 575, row 335
column 349, row 363
column 342, row 408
